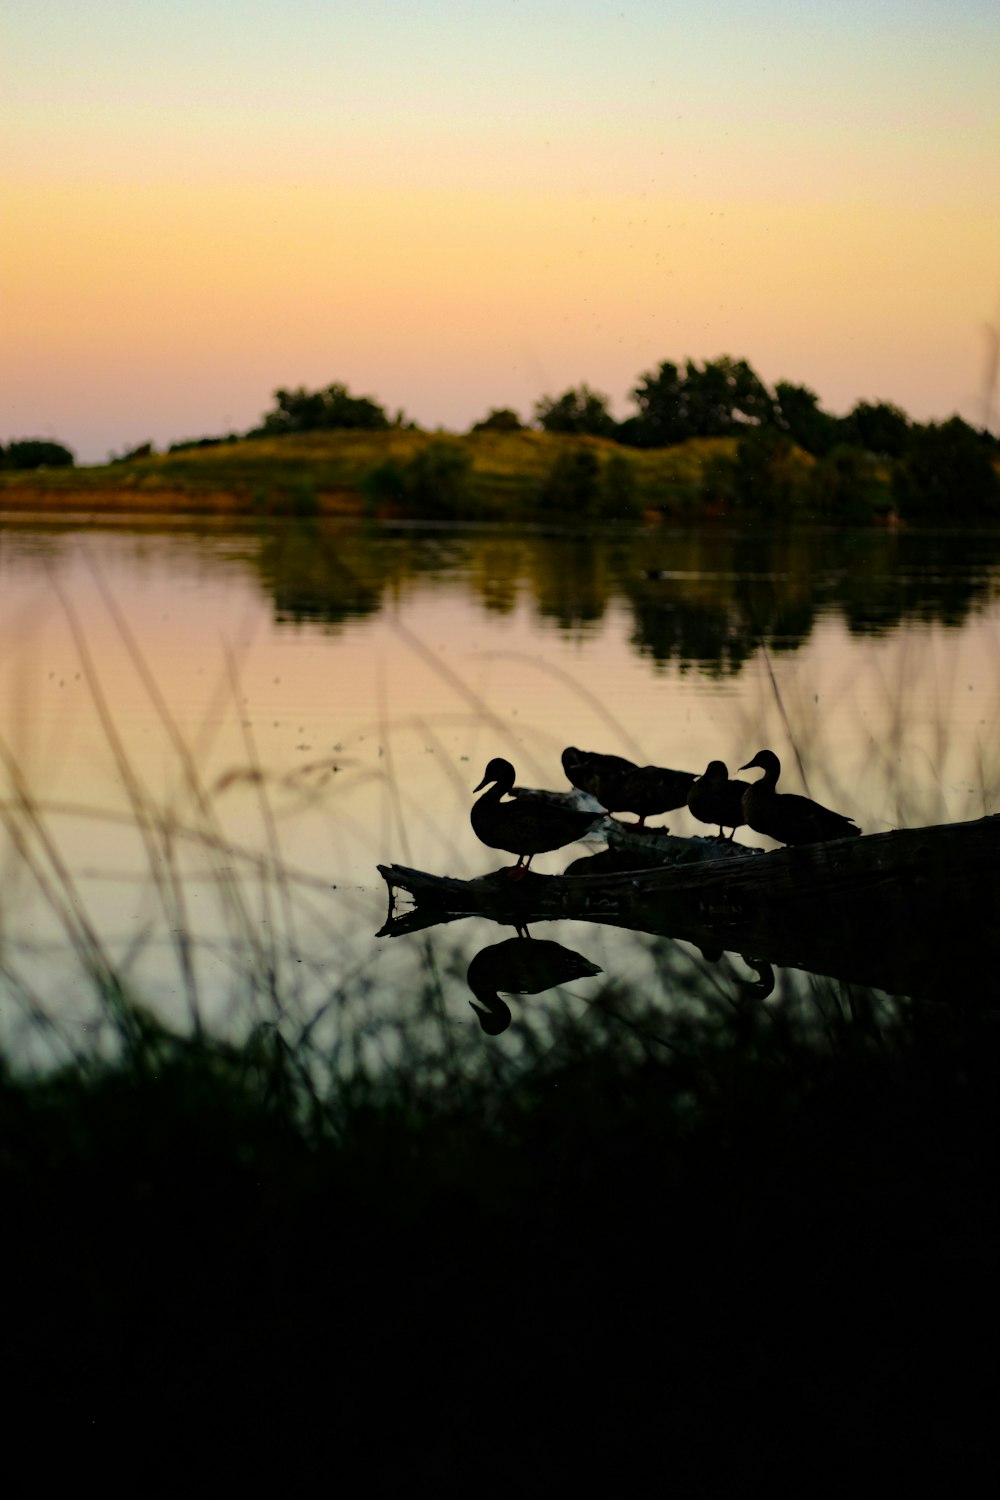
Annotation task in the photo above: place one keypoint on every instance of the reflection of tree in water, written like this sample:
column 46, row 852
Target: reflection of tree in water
column 705, row 598
column 781, row 592
column 312, row 573
column 894, row 576
column 668, row 628
column 496, row 570
column 571, row 578
column 323, row 571
column 875, row 579
column 680, row 588
column 710, row 599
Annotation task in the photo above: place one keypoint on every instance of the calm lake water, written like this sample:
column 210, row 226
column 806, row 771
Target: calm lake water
column 212, row 733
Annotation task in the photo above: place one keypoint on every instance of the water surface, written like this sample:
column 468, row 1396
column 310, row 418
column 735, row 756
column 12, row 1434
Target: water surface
column 214, row 732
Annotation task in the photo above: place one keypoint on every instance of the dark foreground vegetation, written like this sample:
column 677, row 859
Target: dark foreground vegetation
column 706, row 1256
column 702, row 439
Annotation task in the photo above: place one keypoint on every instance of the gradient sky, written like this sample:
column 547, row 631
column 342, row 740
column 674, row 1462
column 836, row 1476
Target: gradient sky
column 451, row 206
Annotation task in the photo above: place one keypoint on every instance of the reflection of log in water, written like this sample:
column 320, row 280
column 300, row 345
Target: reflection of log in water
column 912, row 912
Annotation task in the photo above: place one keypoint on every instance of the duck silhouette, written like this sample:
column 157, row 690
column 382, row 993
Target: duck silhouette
column 715, row 799
column 523, row 826
column 621, row 786
column 519, row 966
column 785, row 816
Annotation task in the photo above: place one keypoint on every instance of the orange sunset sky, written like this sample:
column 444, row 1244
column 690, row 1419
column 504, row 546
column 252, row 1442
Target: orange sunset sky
column 456, row 206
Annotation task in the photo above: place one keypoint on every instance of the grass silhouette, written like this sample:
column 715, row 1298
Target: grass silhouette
column 668, row 1230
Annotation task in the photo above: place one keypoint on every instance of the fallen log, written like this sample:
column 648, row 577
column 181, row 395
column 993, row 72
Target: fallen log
column 913, row 911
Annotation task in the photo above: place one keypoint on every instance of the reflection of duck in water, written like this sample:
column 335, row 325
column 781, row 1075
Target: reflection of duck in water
column 786, row 817
column 520, row 966
column 715, row 799
column 761, row 987
column 524, row 826
column 621, row 786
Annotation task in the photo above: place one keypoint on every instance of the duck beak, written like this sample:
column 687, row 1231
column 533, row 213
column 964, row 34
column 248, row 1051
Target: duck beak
column 481, row 785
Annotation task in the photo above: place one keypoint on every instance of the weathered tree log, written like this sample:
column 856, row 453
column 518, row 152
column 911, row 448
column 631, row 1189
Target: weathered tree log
column 914, row 911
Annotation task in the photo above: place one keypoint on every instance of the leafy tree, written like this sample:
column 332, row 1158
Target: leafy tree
column 618, row 493
column 500, row 419
column 318, row 411
column 768, row 474
column 578, row 411
column 437, row 479
column 717, row 400
column 630, row 433
column 434, row 483
column 205, row 442
column 573, row 483
column 143, row 450
column 718, row 480
column 37, row 453
column 384, row 483
column 662, row 418
column 797, row 412
column 947, row 471
column 580, row 484
column 723, row 397
column 845, row 485
column 878, row 426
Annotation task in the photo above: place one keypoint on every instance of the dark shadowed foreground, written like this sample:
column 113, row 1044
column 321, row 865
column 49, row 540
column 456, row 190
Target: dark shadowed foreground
column 712, row 1257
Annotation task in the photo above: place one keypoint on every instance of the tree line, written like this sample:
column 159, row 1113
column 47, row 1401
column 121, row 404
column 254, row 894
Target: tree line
column 35, row 453
column 788, row 454
column 874, row 451
column 723, row 397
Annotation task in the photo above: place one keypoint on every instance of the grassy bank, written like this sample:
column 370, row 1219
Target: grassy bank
column 326, row 473
column 722, row 1249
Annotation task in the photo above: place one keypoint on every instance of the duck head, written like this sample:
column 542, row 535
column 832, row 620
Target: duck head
column 499, row 770
column 767, row 761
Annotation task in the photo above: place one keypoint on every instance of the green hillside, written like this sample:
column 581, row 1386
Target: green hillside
column 330, row 472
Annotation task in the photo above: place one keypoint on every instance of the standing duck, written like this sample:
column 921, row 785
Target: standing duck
column 621, row 786
column 786, row 817
column 715, row 799
column 520, row 966
column 523, row 826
